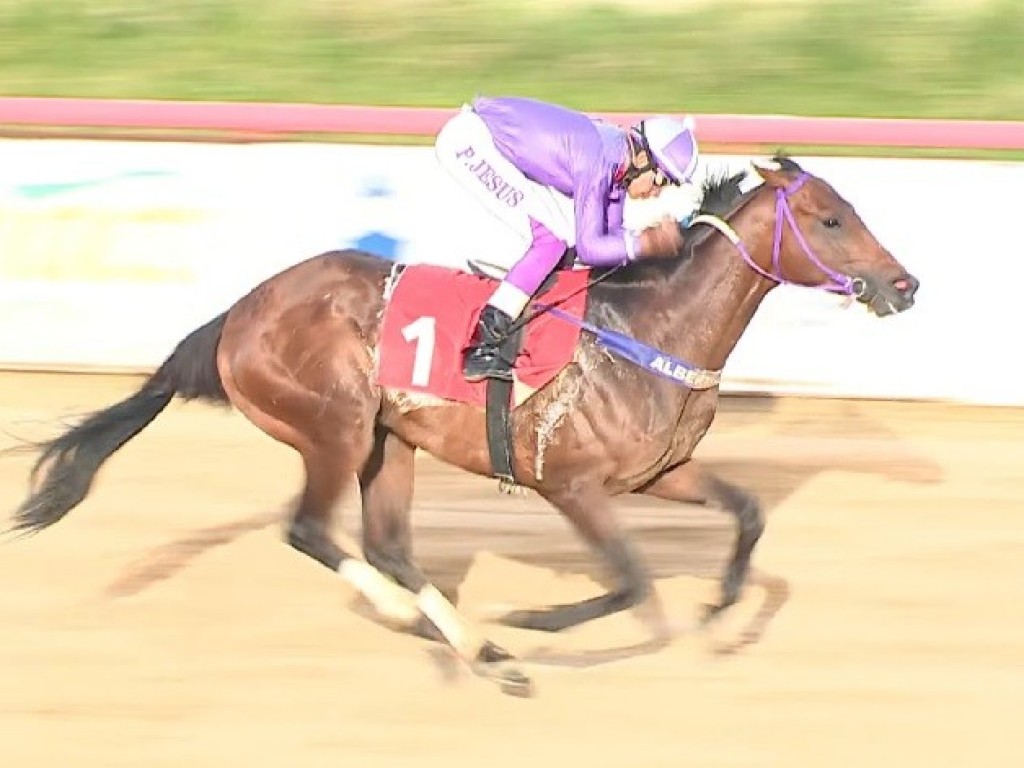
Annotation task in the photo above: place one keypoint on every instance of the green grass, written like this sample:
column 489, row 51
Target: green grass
column 897, row 58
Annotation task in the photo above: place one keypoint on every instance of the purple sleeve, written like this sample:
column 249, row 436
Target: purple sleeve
column 600, row 239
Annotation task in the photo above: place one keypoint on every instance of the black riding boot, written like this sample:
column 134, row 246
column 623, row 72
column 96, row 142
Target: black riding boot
column 483, row 359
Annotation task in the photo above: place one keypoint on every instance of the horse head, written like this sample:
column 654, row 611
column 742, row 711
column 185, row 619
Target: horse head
column 819, row 240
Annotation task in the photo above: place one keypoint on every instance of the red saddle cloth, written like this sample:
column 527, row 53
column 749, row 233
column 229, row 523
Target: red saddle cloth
column 430, row 318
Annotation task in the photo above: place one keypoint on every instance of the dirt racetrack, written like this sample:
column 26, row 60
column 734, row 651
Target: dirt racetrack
column 163, row 623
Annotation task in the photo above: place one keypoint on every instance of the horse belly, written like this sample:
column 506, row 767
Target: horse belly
column 453, row 433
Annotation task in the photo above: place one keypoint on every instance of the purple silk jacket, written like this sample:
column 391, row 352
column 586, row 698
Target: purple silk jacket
column 575, row 154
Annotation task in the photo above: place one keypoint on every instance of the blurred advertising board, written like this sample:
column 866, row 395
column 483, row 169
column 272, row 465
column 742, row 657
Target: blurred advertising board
column 110, row 252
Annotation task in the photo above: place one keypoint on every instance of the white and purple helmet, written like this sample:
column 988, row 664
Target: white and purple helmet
column 672, row 144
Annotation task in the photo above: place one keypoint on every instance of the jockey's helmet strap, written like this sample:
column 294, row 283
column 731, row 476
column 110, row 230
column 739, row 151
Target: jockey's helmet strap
column 637, row 143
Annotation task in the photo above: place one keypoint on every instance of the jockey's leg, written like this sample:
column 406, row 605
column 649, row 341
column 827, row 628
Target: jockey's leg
column 484, row 359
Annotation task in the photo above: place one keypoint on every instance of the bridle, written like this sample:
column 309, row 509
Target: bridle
column 837, row 282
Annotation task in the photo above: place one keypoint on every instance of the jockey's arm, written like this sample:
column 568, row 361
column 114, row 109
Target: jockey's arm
column 601, row 242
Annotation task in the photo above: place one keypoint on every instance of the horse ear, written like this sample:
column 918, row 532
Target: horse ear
column 770, row 171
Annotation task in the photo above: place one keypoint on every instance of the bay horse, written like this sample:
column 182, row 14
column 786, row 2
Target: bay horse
column 296, row 357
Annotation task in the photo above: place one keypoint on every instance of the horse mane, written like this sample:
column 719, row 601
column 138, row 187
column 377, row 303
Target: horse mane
column 721, row 194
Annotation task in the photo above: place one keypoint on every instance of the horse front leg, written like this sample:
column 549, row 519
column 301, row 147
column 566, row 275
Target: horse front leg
column 590, row 511
column 689, row 482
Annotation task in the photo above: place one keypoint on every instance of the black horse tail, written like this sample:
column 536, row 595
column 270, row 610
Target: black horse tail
column 72, row 460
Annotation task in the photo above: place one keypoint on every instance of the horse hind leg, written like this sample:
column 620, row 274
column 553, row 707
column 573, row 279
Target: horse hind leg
column 309, row 533
column 386, row 485
column 337, row 442
column 332, row 449
column 330, row 466
column 386, row 489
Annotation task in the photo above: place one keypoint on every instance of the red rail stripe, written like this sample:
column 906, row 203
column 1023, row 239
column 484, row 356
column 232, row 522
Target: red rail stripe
column 272, row 118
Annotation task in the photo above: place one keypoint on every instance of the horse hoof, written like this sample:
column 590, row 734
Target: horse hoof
column 514, row 683
column 710, row 613
column 509, row 678
column 497, row 664
column 492, row 653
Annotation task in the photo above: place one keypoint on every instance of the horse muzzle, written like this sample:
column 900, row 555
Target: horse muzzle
column 886, row 297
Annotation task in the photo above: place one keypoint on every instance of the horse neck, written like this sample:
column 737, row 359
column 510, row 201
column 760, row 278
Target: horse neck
column 703, row 308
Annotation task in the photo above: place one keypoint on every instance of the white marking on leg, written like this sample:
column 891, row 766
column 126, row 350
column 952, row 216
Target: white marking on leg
column 457, row 631
column 388, row 598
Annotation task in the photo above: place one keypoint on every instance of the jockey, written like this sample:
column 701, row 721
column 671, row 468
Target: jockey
column 518, row 156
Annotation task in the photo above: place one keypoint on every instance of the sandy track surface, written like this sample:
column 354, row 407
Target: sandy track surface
column 164, row 623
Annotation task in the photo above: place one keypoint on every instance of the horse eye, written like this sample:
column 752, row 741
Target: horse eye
column 831, row 222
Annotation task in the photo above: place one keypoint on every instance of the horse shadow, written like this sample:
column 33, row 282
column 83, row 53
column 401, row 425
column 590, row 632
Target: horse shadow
column 686, row 540
column 676, row 540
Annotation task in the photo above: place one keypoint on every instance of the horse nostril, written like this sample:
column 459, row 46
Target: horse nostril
column 907, row 286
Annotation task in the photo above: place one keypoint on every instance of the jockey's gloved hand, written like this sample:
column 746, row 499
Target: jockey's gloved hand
column 661, row 240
